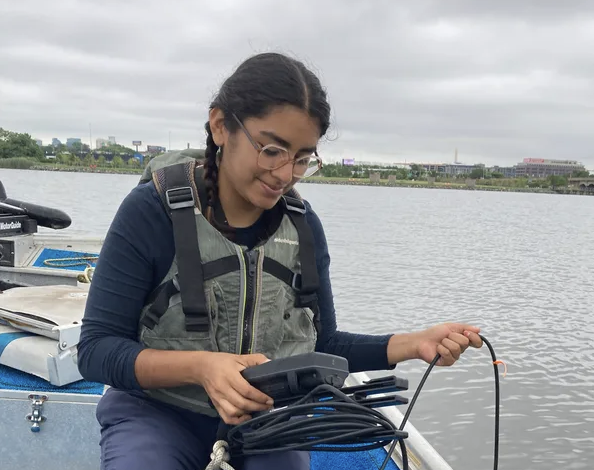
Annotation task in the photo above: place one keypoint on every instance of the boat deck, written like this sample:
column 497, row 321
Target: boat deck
column 47, row 260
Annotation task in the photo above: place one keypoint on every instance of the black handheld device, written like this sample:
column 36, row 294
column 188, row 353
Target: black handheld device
column 293, row 377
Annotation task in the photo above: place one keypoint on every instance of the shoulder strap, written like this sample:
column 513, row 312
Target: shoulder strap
column 177, row 189
column 310, row 282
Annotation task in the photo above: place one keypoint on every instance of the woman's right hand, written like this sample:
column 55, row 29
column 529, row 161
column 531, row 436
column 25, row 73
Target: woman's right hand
column 232, row 395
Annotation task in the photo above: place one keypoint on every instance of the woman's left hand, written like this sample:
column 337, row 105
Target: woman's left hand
column 449, row 340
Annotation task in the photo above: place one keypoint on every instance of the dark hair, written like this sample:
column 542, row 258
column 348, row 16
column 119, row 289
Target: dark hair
column 260, row 83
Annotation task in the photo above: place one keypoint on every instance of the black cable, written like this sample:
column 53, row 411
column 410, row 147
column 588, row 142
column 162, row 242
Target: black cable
column 418, row 391
column 335, row 424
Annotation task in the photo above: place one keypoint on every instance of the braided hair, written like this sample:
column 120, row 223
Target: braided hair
column 260, row 83
column 211, row 170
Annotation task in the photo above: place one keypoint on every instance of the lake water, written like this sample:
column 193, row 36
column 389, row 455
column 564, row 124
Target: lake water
column 520, row 266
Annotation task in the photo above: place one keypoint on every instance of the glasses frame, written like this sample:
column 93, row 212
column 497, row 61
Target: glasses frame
column 261, row 149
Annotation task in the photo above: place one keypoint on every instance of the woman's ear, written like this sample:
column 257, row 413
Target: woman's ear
column 216, row 119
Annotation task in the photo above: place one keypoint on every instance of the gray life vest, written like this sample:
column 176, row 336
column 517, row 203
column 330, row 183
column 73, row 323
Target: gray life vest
column 222, row 297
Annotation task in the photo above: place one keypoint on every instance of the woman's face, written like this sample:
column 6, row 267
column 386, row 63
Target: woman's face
column 245, row 171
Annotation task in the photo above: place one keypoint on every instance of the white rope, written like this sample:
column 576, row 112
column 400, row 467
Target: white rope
column 219, row 457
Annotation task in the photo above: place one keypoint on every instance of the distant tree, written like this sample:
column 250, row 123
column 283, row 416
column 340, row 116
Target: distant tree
column 477, row 173
column 116, row 149
column 80, row 149
column 580, row 174
column 14, row 145
column 117, row 161
column 402, row 174
column 88, row 160
column 416, row 171
column 48, row 150
column 557, row 181
column 66, row 158
column 336, row 170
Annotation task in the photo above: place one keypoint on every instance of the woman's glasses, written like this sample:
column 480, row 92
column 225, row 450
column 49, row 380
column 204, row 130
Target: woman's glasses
column 272, row 157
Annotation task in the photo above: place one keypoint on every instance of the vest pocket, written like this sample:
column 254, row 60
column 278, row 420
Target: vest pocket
column 170, row 331
column 290, row 330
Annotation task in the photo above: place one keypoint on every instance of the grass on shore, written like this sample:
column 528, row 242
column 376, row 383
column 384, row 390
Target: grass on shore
column 421, row 184
column 32, row 164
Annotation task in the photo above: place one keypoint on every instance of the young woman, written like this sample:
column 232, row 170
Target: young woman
column 172, row 353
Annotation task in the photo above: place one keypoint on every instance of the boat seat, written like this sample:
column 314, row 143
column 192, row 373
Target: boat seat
column 40, row 329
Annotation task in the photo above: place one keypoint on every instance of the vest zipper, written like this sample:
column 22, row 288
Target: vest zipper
column 251, row 258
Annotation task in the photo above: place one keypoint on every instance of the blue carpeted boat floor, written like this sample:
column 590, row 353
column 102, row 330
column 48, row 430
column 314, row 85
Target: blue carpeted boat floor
column 365, row 460
column 12, row 379
column 65, row 259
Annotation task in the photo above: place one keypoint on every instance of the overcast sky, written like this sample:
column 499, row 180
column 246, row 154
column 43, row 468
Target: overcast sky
column 408, row 80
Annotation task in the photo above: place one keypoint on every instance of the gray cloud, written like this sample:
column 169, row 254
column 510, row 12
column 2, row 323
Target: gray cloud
column 500, row 81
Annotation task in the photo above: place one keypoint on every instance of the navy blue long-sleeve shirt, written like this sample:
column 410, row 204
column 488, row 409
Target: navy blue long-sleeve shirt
column 137, row 253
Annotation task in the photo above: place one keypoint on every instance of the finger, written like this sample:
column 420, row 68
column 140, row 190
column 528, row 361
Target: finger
column 238, row 399
column 246, row 390
column 222, row 413
column 229, row 413
column 475, row 339
column 249, row 360
column 453, row 347
column 462, row 340
column 462, row 327
column 446, row 358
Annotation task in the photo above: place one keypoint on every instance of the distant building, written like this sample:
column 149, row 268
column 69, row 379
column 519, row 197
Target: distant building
column 155, row 149
column 72, row 140
column 100, row 143
column 439, row 168
column 506, row 171
column 111, row 139
column 56, row 142
column 447, row 169
column 455, row 169
column 541, row 168
column 39, row 142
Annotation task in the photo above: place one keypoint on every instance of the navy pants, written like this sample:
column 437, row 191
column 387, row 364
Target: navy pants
column 138, row 433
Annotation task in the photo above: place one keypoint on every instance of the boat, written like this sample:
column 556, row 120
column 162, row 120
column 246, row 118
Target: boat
column 47, row 408
column 31, row 258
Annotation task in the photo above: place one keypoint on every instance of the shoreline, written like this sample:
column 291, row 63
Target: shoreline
column 81, row 169
column 441, row 185
column 343, row 181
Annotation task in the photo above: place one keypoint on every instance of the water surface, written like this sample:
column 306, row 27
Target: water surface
column 520, row 266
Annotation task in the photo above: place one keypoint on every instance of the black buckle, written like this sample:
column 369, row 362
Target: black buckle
column 150, row 320
column 197, row 323
column 306, row 300
column 294, row 204
column 180, row 198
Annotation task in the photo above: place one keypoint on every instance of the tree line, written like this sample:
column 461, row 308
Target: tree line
column 418, row 172
column 23, row 150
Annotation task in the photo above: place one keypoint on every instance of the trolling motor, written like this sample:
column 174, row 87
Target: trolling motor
column 19, row 218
